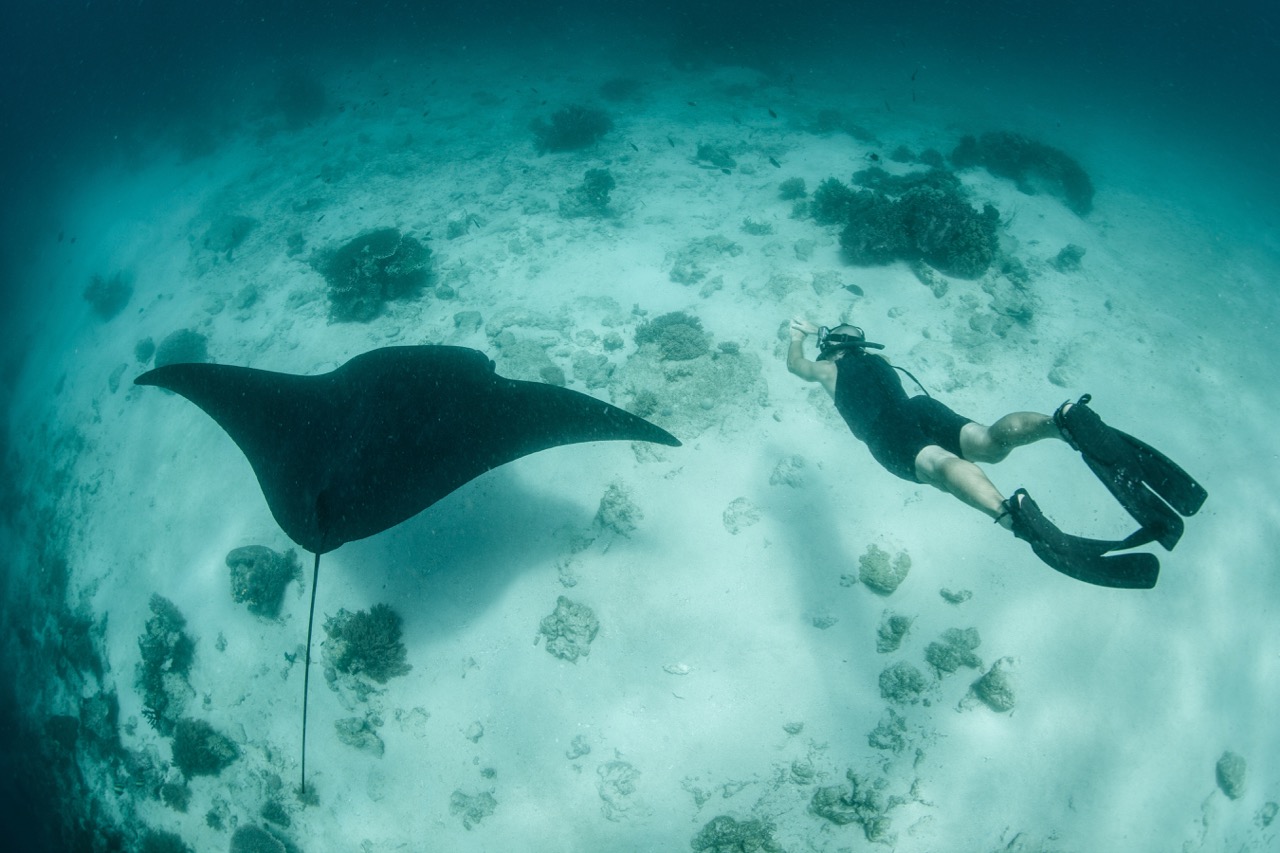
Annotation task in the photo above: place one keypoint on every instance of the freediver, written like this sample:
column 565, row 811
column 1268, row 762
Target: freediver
column 920, row 439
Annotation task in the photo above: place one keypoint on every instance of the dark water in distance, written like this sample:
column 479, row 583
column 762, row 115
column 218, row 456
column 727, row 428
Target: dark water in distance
column 78, row 76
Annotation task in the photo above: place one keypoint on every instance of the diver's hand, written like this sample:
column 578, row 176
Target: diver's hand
column 800, row 329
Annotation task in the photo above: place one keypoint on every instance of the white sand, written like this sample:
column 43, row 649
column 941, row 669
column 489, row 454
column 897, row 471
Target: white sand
column 1125, row 700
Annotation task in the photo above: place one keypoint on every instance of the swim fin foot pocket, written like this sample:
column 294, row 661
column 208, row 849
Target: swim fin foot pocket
column 1150, row 486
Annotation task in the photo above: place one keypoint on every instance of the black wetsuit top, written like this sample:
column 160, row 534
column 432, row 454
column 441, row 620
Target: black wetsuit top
column 866, row 387
column 896, row 427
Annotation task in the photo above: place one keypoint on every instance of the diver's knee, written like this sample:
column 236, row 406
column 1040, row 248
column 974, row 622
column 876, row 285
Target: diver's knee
column 927, row 466
column 933, row 464
column 977, row 444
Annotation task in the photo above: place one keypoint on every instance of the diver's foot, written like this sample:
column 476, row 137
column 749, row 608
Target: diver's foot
column 1060, row 420
column 1057, row 420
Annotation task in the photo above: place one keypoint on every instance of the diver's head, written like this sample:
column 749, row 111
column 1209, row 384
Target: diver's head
column 843, row 338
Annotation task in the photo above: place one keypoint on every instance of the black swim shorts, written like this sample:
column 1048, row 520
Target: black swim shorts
column 901, row 432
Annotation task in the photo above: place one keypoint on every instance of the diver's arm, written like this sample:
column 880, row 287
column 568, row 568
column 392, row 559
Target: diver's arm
column 809, row 371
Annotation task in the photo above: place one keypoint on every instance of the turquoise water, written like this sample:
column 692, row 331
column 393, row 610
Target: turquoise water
column 618, row 646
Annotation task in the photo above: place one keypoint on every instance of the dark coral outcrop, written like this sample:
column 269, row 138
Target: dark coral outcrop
column 570, row 129
column 1032, row 165
column 371, row 270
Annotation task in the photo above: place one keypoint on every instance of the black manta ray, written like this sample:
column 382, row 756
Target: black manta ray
column 353, row 452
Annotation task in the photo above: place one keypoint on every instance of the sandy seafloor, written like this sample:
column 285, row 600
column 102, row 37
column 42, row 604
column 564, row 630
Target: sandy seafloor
column 713, row 644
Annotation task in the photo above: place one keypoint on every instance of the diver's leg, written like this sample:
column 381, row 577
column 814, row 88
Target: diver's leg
column 959, row 477
column 980, row 443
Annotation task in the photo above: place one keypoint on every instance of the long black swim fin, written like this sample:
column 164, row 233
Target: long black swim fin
column 1083, row 559
column 1153, row 488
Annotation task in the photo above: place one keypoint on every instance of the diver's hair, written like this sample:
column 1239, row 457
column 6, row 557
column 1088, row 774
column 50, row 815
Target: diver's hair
column 828, row 353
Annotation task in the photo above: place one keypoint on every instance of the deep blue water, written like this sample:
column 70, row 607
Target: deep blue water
column 82, row 81
column 80, row 78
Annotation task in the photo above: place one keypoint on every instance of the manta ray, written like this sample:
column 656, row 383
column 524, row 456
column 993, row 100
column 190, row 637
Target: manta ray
column 344, row 455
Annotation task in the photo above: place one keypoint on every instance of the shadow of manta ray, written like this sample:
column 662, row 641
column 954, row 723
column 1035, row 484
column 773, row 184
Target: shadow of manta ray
column 348, row 454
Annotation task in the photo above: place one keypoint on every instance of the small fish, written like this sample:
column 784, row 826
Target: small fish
column 854, row 289
column 775, row 163
column 692, row 103
column 887, row 108
column 914, row 73
column 873, row 157
column 671, row 141
column 61, row 235
column 727, row 171
column 772, row 114
column 634, row 146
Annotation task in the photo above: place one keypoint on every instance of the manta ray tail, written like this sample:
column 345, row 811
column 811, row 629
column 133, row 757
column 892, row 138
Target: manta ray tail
column 306, row 672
